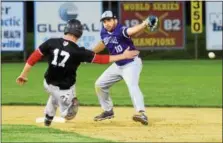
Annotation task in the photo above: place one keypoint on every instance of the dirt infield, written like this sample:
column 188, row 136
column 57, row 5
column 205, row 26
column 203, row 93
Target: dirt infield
column 165, row 124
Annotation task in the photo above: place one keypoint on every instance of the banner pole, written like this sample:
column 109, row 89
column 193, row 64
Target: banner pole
column 196, row 46
column 25, row 32
column 110, row 5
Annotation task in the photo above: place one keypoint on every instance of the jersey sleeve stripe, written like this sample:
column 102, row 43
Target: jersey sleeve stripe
column 124, row 32
column 93, row 58
column 40, row 51
column 101, row 59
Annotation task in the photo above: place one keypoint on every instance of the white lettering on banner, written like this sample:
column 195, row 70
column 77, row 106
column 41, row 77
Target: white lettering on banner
column 52, row 23
column 172, row 25
column 12, row 32
column 214, row 26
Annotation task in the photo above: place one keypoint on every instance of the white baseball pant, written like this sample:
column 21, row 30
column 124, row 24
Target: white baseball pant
column 114, row 73
column 57, row 97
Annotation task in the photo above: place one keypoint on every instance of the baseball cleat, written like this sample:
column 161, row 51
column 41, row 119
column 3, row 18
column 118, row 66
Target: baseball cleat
column 142, row 118
column 48, row 120
column 104, row 115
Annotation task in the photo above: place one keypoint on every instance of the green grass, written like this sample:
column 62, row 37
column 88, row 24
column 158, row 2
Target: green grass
column 28, row 133
column 194, row 83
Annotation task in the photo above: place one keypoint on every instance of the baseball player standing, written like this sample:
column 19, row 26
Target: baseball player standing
column 116, row 38
column 64, row 57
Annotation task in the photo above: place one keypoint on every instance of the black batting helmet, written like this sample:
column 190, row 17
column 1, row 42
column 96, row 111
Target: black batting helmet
column 74, row 27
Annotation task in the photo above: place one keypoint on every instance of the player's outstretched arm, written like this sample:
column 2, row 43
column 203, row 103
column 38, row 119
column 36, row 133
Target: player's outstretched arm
column 105, row 59
column 99, row 47
column 150, row 22
column 35, row 56
column 126, row 55
column 137, row 28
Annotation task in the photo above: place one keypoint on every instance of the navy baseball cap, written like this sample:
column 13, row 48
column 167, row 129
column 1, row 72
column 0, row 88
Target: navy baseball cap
column 107, row 14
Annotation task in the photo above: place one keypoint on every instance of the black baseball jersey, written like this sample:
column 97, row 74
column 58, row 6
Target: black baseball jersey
column 64, row 57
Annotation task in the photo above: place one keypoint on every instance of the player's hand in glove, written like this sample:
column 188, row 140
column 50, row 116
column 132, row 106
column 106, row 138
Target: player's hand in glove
column 130, row 54
column 152, row 22
column 21, row 80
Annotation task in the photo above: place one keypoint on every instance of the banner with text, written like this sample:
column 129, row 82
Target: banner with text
column 51, row 23
column 214, row 25
column 170, row 31
column 12, row 26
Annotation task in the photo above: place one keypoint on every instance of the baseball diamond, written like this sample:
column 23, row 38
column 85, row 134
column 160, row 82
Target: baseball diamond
column 178, row 124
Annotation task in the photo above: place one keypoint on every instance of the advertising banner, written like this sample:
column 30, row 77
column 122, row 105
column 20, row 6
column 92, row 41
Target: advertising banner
column 170, row 31
column 51, row 18
column 214, row 25
column 12, row 26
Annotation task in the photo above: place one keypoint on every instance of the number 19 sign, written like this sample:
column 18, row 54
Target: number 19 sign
column 170, row 31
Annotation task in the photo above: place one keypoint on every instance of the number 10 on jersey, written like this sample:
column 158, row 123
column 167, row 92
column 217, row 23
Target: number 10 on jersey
column 118, row 49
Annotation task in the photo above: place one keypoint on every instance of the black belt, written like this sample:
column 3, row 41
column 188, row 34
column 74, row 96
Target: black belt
column 61, row 87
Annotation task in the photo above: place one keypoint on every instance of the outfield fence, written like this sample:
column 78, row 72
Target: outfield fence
column 174, row 38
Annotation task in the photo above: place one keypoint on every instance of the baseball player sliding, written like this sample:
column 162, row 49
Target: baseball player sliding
column 117, row 38
column 64, row 57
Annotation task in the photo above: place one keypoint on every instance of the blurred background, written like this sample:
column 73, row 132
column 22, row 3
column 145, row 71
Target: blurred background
column 187, row 30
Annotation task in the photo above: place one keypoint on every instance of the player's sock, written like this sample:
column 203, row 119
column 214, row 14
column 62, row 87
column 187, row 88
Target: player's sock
column 48, row 120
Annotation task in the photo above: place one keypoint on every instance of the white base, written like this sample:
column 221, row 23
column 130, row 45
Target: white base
column 55, row 119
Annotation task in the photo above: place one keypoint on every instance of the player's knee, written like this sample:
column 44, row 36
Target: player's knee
column 97, row 86
column 97, row 83
column 97, row 89
column 100, row 88
column 72, row 110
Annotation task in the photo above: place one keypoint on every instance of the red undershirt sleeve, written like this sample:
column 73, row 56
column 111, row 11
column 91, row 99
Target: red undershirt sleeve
column 101, row 59
column 34, row 58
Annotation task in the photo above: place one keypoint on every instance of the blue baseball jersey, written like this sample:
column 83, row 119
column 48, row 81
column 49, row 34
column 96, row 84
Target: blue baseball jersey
column 117, row 42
